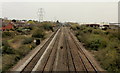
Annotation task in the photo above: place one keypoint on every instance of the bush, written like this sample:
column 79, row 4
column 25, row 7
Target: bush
column 23, row 50
column 29, row 28
column 75, row 26
column 32, row 46
column 6, row 49
column 109, row 59
column 38, row 33
column 27, row 40
column 96, row 31
column 106, row 33
column 82, row 39
column 87, row 30
column 90, row 30
column 94, row 44
column 19, row 30
column 47, row 27
column 7, row 62
column 8, row 34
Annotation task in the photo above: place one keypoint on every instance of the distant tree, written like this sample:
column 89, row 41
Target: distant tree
column 24, row 20
column 14, row 20
column 30, row 22
column 58, row 21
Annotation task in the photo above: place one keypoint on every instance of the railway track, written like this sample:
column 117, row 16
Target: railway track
column 61, row 53
column 32, row 63
column 86, row 62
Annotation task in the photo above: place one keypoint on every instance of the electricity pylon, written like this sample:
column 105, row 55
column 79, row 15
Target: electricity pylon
column 40, row 14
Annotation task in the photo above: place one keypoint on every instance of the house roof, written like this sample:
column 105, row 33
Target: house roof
column 9, row 26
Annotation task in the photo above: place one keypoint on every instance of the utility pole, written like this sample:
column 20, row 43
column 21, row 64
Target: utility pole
column 40, row 14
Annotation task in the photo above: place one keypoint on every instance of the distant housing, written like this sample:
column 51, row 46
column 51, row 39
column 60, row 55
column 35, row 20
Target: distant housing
column 93, row 25
column 101, row 26
column 7, row 27
column 11, row 24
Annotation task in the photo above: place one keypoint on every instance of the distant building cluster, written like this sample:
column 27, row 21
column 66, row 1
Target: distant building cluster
column 103, row 25
column 12, row 24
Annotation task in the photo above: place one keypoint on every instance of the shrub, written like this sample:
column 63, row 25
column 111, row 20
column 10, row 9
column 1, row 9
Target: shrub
column 106, row 33
column 6, row 49
column 30, row 28
column 23, row 50
column 38, row 33
column 19, row 30
column 83, row 38
column 90, row 30
column 79, row 38
column 94, row 44
column 75, row 26
column 47, row 27
column 119, row 35
column 8, row 34
column 87, row 30
column 96, row 31
column 27, row 40
column 17, row 58
column 109, row 59
column 7, row 62
column 33, row 45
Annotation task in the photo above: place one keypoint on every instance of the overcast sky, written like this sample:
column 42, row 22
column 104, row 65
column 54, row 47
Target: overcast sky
column 63, row 11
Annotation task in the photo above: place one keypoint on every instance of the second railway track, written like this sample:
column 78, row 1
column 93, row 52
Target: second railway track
column 81, row 52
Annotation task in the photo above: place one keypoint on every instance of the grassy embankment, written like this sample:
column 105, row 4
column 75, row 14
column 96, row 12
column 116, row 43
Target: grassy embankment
column 17, row 43
column 104, row 44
